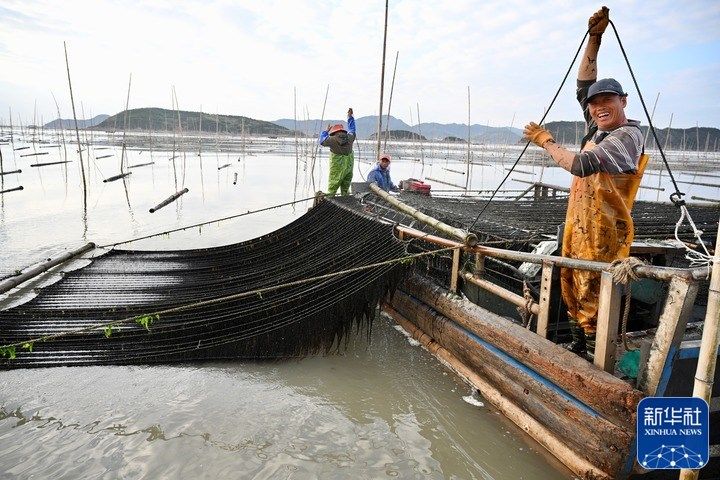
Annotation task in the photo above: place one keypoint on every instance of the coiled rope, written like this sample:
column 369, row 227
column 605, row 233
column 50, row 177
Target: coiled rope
column 623, row 273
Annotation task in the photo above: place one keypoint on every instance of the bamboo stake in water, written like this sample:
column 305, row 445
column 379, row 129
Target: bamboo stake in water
column 382, row 82
column 392, row 87
column 315, row 149
column 125, row 125
column 77, row 132
column 467, row 169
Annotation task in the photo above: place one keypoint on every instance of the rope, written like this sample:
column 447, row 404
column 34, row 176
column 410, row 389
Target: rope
column 256, row 292
column 623, row 273
column 526, row 310
column 696, row 258
column 552, row 102
column 208, row 222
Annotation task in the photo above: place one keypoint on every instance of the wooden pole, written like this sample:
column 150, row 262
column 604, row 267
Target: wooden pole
column 467, row 172
column 125, row 125
column 77, row 131
column 607, row 322
column 392, row 87
column 543, row 315
column 671, row 327
column 707, row 359
column 382, row 82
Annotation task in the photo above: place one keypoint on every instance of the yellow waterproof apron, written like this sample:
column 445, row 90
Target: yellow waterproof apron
column 598, row 226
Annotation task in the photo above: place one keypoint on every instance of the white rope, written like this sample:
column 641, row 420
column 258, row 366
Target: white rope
column 697, row 259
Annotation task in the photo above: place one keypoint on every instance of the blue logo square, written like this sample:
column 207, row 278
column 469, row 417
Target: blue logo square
column 673, row 433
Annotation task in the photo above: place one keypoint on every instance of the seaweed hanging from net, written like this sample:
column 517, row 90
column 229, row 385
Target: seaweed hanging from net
column 295, row 320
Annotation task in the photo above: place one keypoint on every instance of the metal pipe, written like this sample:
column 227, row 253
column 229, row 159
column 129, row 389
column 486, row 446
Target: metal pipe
column 13, row 282
column 645, row 271
column 15, row 189
column 467, row 238
column 501, row 292
column 20, row 171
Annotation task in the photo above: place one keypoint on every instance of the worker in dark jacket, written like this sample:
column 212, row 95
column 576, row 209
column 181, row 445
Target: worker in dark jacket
column 340, row 142
column 381, row 174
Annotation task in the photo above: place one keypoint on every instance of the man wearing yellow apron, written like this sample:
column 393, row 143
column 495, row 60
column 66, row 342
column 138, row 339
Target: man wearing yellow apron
column 606, row 176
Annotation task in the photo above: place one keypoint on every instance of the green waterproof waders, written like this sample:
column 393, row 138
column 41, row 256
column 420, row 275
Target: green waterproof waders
column 341, row 173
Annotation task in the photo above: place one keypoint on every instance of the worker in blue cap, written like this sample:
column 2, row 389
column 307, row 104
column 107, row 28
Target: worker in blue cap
column 606, row 176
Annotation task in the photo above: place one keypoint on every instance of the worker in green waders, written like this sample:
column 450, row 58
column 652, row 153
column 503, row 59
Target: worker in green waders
column 340, row 141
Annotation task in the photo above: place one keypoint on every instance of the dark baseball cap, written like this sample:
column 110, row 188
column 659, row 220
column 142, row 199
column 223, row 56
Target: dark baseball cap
column 606, row 85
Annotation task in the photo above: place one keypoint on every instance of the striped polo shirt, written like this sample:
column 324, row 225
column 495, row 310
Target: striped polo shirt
column 616, row 151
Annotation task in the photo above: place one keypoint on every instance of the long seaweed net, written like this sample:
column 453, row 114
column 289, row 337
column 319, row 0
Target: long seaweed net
column 295, row 320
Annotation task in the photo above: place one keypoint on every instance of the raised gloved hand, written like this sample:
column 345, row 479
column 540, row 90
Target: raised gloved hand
column 599, row 22
column 537, row 134
column 350, row 112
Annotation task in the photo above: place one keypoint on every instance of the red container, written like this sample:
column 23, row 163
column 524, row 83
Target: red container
column 418, row 186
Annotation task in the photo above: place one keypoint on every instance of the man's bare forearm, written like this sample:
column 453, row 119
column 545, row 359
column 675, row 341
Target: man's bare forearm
column 560, row 154
column 588, row 65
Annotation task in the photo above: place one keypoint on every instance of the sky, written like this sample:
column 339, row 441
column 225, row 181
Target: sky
column 247, row 57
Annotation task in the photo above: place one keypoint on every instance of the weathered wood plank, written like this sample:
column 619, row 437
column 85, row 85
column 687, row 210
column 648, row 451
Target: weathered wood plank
column 607, row 322
column 543, row 317
column 612, row 397
column 679, row 302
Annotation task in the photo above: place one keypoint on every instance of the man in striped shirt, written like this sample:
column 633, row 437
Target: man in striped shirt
column 606, row 176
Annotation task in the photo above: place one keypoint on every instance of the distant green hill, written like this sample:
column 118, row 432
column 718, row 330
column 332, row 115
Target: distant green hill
column 161, row 119
column 680, row 139
column 399, row 135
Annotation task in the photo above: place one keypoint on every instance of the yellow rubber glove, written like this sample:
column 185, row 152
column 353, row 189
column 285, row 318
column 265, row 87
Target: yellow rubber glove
column 537, row 134
column 599, row 22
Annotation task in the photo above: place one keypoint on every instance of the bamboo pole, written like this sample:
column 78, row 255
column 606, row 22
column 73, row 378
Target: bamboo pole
column 117, row 177
column 35, row 271
column 392, row 87
column 707, row 359
column 382, row 82
column 467, row 238
column 77, row 131
column 45, row 164
column 169, row 200
column 514, row 298
column 467, row 173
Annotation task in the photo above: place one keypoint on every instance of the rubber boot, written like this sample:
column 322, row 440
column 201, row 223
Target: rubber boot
column 578, row 344
column 590, row 342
